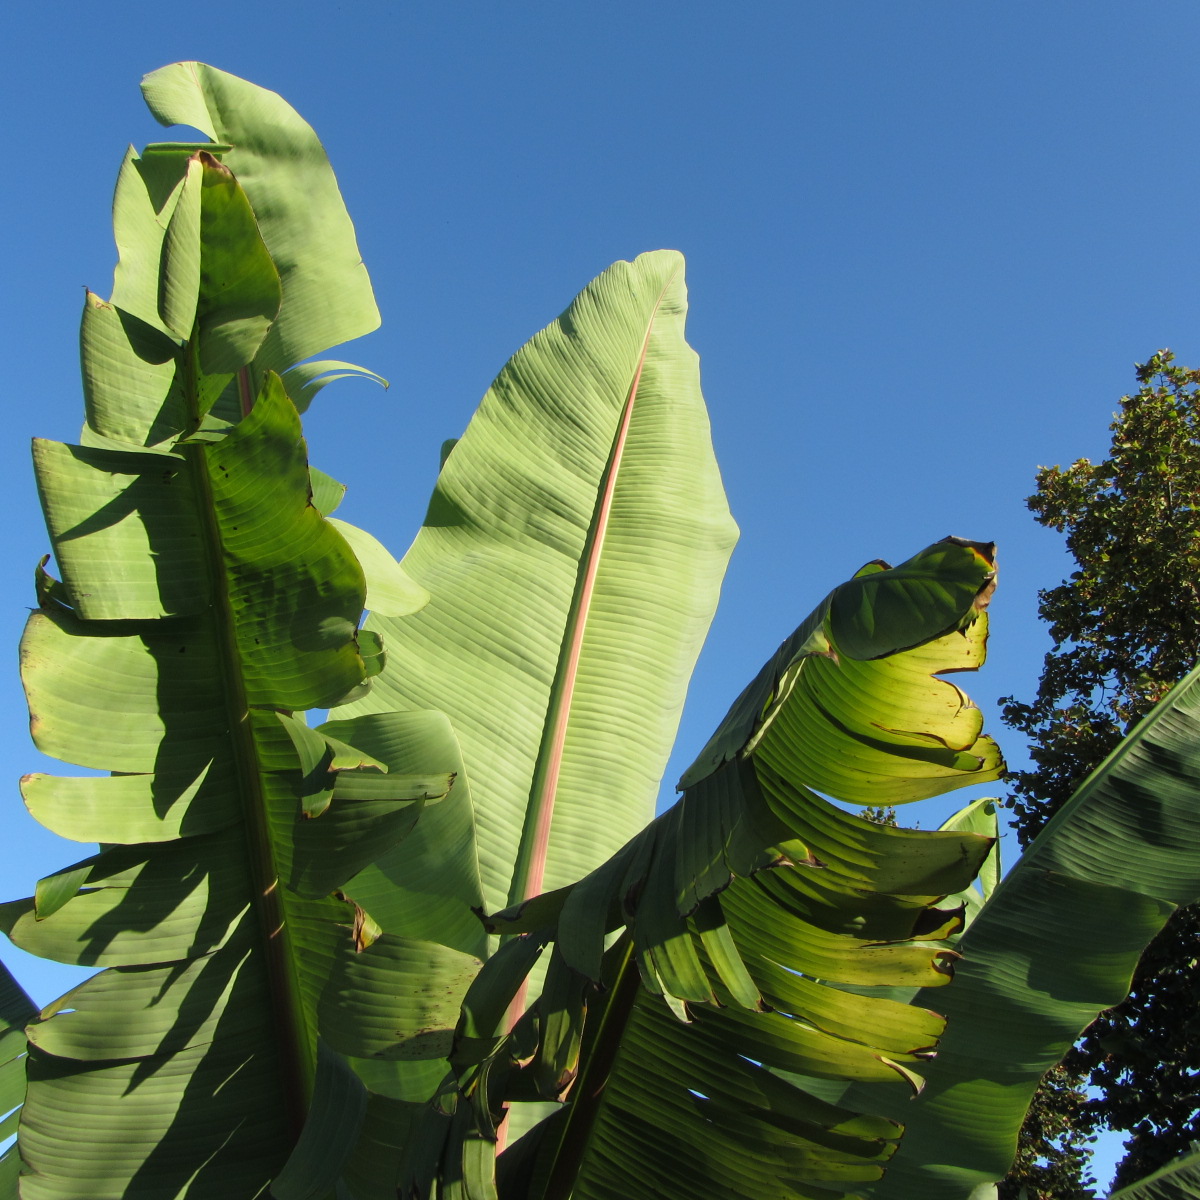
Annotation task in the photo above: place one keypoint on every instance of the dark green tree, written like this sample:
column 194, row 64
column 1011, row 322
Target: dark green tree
column 1054, row 1150
column 1126, row 626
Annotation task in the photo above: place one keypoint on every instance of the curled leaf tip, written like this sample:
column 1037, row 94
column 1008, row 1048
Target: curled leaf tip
column 985, row 550
column 943, row 962
column 914, row 1081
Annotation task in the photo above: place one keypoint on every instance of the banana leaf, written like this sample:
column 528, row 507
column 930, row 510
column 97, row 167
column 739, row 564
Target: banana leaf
column 204, row 604
column 757, row 916
column 572, row 552
column 573, row 549
column 1057, row 942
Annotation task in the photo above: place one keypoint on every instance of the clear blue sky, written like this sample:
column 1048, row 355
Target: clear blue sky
column 927, row 243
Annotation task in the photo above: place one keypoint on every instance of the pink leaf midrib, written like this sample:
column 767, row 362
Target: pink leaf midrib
column 550, row 770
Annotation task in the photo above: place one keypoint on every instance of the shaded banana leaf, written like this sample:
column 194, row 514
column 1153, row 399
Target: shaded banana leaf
column 204, row 602
column 573, row 550
column 16, row 1010
column 753, row 908
column 1057, row 942
column 1178, row 1180
column 339, row 1104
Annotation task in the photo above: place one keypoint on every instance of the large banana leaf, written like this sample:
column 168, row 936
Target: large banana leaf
column 573, row 550
column 758, row 911
column 1057, row 942
column 204, row 603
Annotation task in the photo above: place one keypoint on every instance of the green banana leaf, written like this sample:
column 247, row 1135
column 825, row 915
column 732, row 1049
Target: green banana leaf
column 573, row 553
column 1178, row 1180
column 16, row 1010
column 204, row 604
column 755, row 913
column 1057, row 942
column 297, row 205
column 573, row 550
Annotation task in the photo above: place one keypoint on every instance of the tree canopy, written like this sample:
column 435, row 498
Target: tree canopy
column 1126, row 627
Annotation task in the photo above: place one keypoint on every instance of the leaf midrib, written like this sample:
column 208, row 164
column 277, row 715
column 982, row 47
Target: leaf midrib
column 529, row 868
column 533, row 849
column 287, row 1021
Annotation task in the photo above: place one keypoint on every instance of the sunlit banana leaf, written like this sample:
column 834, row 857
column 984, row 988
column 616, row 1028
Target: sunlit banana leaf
column 283, row 167
column 573, row 551
column 1057, row 942
column 749, row 910
column 204, row 603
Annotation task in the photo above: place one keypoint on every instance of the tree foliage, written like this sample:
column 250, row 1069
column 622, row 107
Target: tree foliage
column 1054, row 1151
column 1126, row 626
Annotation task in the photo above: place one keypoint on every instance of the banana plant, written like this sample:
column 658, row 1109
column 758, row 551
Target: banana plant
column 437, row 944
column 205, row 602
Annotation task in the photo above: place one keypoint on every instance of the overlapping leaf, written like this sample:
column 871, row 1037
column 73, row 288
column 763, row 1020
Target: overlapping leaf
column 759, row 910
column 1057, row 942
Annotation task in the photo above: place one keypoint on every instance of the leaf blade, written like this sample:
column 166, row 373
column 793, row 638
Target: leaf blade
column 296, row 202
column 513, row 517
column 1082, row 932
